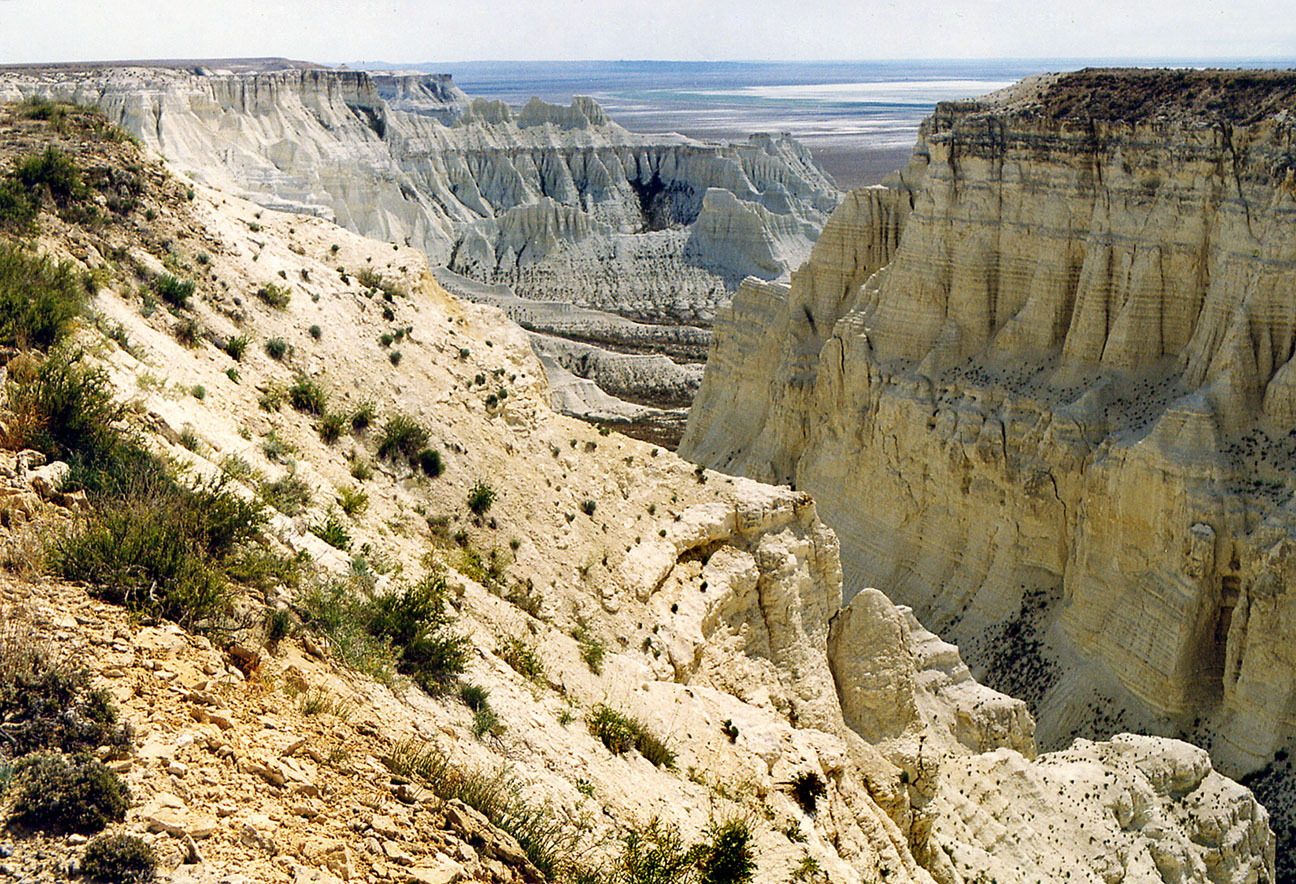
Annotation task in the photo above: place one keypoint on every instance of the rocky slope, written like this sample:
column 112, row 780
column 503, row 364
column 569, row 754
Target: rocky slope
column 716, row 601
column 1041, row 388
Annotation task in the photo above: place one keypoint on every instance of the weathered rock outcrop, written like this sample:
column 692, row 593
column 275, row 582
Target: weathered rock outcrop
column 1057, row 419
column 559, row 202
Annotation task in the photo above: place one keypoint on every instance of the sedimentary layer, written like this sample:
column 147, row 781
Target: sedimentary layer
column 558, row 202
column 1041, row 386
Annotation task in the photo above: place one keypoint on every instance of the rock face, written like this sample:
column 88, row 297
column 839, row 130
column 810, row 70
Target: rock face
column 558, row 202
column 1041, row 388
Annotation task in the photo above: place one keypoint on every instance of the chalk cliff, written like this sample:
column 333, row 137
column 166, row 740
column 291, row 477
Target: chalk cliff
column 558, row 202
column 1041, row 386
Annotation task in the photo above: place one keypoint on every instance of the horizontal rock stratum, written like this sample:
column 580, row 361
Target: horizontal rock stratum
column 559, row 202
column 1041, row 385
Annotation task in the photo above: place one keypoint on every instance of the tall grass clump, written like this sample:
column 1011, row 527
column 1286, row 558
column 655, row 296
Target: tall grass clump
column 620, row 733
column 402, row 437
column 173, row 291
column 553, row 846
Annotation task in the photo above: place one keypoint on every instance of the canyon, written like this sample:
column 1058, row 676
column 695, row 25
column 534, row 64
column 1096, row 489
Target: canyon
column 559, row 204
column 739, row 619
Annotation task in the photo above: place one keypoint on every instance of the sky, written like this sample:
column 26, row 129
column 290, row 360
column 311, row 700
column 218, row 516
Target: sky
column 334, row 31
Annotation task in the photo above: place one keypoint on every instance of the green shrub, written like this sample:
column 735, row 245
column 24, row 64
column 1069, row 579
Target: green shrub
column 361, row 471
column 199, row 391
column 475, row 696
column 119, row 859
column 276, row 348
column 278, row 449
column 486, row 723
column 521, row 656
column 429, row 461
column 274, row 296
column 614, row 730
column 56, row 794
column 480, row 497
column 235, row 346
column 353, row 501
column 333, row 531
column 175, row 292
column 64, row 408
column 263, row 568
column 17, row 208
column 587, row 506
column 414, row 621
column 655, row 854
column 620, row 732
column 363, row 416
column 51, row 172
column 331, row 427
column 394, row 357
column 289, row 494
column 726, row 856
column 591, row 651
column 807, row 788
column 401, row 437
column 308, row 396
column 46, row 702
column 188, row 332
column 39, row 298
column 158, row 548
column 316, row 332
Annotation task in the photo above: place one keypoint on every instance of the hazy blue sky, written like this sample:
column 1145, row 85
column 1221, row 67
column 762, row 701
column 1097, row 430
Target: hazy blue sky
column 458, row 30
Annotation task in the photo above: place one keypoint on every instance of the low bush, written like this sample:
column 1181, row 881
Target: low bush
column 619, row 732
column 363, row 416
column 429, row 461
column 39, row 298
column 407, row 628
column 331, row 427
column 401, row 437
column 58, row 794
column 352, row 501
column 274, row 296
column 173, row 291
column 289, row 494
column 521, row 656
column 119, row 859
column 655, row 854
column 807, row 788
column 480, row 497
column 158, row 549
column 591, row 651
column 333, row 531
column 726, row 857
column 46, row 702
column 276, row 348
column 307, row 395
column 51, row 172
column 64, row 408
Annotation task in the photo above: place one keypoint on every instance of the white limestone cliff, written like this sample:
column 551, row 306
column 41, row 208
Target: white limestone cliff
column 544, row 198
column 1053, row 417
